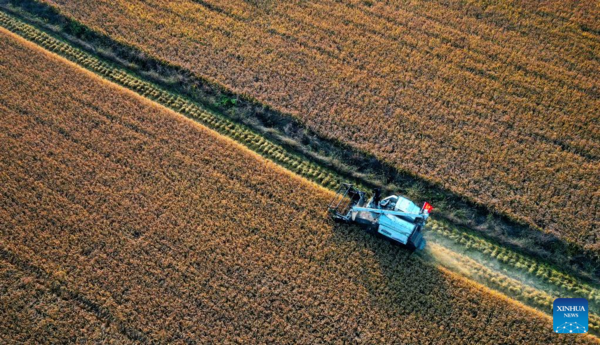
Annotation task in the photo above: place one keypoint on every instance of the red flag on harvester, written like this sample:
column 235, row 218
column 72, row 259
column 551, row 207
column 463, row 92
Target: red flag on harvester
column 427, row 207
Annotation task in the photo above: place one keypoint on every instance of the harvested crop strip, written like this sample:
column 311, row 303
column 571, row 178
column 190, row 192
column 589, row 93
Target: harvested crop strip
column 110, row 200
column 496, row 101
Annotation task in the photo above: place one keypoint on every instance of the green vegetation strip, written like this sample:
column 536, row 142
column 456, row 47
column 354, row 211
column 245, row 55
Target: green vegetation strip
column 318, row 174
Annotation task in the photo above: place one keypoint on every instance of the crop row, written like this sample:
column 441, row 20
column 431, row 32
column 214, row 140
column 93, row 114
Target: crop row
column 565, row 283
column 238, row 132
column 501, row 282
column 187, row 237
column 494, row 101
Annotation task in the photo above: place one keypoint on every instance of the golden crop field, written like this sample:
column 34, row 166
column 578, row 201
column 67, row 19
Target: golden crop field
column 121, row 221
column 31, row 313
column 495, row 100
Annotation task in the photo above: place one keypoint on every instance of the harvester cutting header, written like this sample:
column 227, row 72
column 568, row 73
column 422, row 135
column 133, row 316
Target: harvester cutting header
column 394, row 217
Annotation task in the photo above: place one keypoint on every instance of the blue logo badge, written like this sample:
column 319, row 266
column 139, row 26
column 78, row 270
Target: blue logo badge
column 570, row 315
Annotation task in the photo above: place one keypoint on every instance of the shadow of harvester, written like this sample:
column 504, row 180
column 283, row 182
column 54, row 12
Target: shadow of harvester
column 405, row 286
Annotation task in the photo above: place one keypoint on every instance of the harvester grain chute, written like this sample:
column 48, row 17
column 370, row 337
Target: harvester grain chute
column 394, row 217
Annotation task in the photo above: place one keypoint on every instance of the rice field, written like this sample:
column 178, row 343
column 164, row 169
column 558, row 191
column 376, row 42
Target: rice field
column 494, row 100
column 122, row 221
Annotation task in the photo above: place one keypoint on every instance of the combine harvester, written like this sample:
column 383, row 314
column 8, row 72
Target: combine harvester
column 394, row 217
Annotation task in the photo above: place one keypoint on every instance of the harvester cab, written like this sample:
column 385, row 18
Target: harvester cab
column 394, row 217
